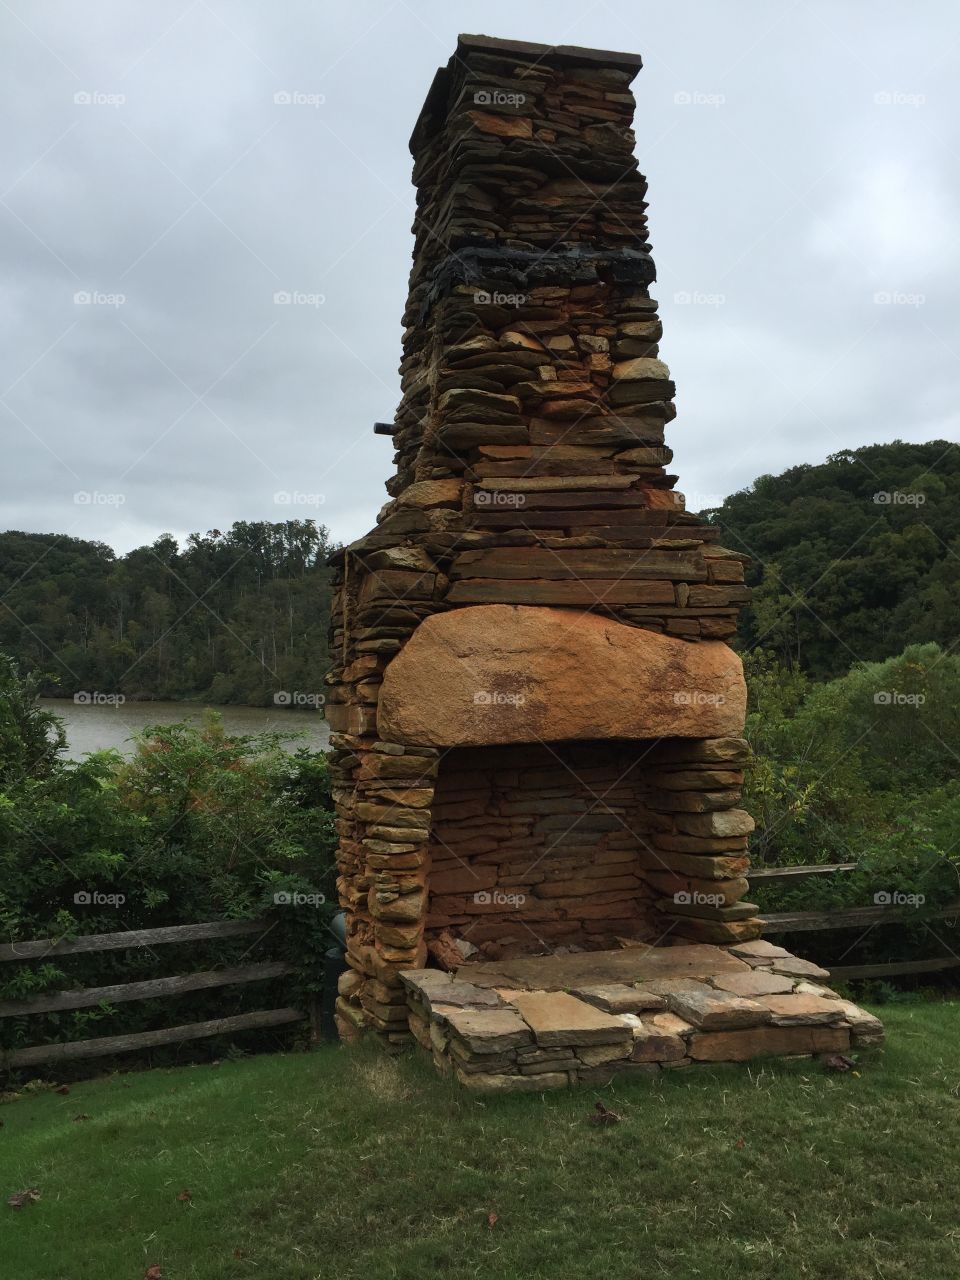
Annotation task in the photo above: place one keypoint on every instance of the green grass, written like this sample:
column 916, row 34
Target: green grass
column 347, row 1164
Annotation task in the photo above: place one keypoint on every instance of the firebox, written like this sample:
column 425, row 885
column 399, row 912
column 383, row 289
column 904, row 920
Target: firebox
column 537, row 717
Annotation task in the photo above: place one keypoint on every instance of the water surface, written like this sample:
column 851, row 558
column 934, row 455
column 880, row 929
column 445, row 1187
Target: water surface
column 94, row 727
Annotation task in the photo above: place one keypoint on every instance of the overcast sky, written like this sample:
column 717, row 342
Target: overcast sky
column 804, row 166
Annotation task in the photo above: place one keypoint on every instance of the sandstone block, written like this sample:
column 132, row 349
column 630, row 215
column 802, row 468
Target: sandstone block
column 556, row 1018
column 758, row 983
column 707, row 1008
column 500, row 673
column 489, row 1030
column 615, row 997
column 797, row 1009
column 762, row 1042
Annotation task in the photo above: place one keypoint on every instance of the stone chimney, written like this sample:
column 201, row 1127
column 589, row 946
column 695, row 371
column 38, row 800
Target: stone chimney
column 536, row 719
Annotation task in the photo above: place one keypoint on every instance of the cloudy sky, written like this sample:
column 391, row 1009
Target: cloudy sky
column 804, row 165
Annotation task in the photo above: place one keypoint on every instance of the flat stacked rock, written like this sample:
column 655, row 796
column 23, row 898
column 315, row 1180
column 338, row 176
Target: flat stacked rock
column 534, row 577
column 657, row 1010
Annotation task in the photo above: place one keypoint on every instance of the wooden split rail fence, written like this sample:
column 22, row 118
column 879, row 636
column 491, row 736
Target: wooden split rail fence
column 851, row 918
column 152, row 988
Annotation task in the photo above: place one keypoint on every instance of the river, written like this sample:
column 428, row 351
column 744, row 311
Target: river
column 92, row 727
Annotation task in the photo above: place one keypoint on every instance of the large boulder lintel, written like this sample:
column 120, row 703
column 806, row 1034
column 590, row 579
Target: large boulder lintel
column 490, row 674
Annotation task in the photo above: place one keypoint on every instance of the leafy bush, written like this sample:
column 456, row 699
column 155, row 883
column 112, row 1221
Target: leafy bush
column 197, row 826
column 862, row 769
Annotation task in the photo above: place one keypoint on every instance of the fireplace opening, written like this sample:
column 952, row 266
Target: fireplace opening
column 542, row 848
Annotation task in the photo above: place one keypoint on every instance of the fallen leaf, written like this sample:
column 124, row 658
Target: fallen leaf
column 491, row 1220
column 239, row 1253
column 185, row 1196
column 740, row 1144
column 837, row 1062
column 153, row 1273
column 603, row 1115
column 20, row 1198
column 64, row 1088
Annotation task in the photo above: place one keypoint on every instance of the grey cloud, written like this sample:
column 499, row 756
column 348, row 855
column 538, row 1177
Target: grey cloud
column 794, row 173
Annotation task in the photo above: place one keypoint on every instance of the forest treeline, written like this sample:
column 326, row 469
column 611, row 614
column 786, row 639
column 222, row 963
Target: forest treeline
column 230, row 617
column 851, row 559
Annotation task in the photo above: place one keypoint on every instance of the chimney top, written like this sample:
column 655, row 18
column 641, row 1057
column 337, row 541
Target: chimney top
column 568, row 55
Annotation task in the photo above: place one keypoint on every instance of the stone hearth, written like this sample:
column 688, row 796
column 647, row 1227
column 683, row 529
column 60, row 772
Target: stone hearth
column 530, row 1025
column 537, row 719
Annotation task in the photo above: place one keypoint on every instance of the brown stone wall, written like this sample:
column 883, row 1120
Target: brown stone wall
column 531, row 468
column 537, row 846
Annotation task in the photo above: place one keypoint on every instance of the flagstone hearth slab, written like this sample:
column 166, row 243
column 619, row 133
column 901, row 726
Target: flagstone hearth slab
column 560, row 1020
column 588, row 968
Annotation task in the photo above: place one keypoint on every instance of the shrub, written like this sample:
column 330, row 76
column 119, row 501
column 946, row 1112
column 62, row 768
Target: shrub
column 197, row 826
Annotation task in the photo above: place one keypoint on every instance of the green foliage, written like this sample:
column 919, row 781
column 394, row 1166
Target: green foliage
column 841, row 576
column 30, row 738
column 197, row 826
column 862, row 769
column 232, row 617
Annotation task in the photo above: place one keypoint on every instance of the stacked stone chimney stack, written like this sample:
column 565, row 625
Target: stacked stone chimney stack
column 532, row 698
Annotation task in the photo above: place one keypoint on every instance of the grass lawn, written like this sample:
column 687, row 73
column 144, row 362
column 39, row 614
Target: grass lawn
column 348, row 1164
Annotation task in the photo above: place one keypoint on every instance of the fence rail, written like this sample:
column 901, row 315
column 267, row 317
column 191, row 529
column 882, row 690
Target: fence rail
column 43, row 947
column 149, row 989
column 852, row 918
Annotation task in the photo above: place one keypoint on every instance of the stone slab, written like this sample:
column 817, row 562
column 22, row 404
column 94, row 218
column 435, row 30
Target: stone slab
column 766, row 1042
column 660, row 1039
column 625, row 965
column 801, row 1010
column 433, row 986
column 797, row 968
column 707, row 1008
column 557, row 1018
column 758, row 949
column 490, row 1030
column 759, row 982
column 618, row 997
column 492, row 1082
